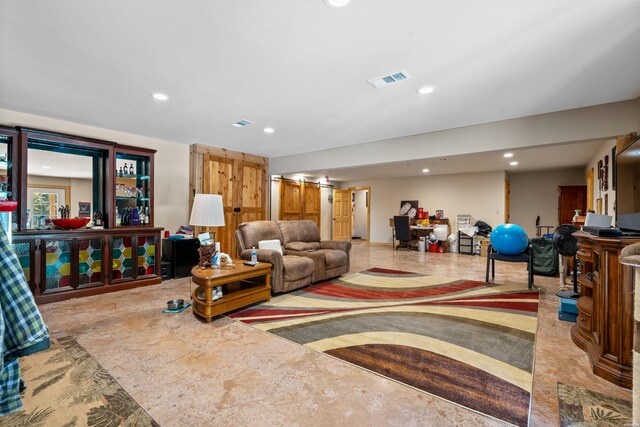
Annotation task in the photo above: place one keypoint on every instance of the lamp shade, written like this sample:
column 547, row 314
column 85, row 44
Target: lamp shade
column 207, row 211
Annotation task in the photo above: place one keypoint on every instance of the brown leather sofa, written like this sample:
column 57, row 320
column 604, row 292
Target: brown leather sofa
column 305, row 258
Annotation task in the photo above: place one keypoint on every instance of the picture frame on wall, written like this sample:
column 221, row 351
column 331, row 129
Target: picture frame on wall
column 606, row 204
column 599, row 205
column 409, row 208
column 613, row 168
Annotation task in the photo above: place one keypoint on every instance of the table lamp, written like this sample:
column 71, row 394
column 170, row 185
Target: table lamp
column 207, row 211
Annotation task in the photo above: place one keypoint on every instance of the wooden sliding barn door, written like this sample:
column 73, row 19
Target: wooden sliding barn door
column 311, row 202
column 299, row 200
column 290, row 200
column 241, row 180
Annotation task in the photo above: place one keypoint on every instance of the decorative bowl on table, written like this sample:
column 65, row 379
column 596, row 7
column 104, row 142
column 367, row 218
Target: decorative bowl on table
column 70, row 223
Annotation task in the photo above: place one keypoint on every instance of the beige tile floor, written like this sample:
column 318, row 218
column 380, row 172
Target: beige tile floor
column 188, row 373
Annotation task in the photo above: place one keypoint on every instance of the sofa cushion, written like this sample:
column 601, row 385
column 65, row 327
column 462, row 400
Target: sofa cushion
column 299, row 231
column 303, row 246
column 296, row 267
column 253, row 232
column 334, row 258
column 273, row 244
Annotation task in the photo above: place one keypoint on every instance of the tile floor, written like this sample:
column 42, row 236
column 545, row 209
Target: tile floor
column 188, row 373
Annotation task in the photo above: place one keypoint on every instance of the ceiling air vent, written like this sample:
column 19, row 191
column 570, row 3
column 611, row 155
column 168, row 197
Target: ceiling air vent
column 242, row 123
column 383, row 81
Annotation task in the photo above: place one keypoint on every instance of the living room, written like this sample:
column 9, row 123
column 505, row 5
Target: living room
column 499, row 82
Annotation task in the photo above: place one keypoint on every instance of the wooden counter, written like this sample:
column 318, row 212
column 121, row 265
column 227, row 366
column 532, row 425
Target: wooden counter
column 604, row 327
column 63, row 264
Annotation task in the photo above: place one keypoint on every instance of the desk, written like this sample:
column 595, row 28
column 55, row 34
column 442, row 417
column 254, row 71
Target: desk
column 420, row 231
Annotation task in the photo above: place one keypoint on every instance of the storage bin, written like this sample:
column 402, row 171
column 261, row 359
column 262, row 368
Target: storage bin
column 433, row 247
column 440, row 231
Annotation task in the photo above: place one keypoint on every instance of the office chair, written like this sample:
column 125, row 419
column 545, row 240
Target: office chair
column 402, row 232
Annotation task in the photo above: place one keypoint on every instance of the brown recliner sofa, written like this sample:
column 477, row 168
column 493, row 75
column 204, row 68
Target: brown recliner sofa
column 305, row 259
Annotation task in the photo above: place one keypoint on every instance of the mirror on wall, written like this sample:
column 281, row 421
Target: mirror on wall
column 5, row 163
column 59, row 176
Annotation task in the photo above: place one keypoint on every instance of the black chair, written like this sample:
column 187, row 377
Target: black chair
column 493, row 256
column 402, row 231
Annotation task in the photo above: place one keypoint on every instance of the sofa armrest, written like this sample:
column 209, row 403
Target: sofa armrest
column 343, row 245
column 264, row 255
column 277, row 265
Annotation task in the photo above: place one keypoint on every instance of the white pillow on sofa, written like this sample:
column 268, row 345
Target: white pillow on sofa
column 270, row 244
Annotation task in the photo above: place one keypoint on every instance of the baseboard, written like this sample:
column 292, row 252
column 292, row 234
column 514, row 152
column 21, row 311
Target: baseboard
column 381, row 244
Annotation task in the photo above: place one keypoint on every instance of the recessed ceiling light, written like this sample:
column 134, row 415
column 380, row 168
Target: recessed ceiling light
column 514, row 163
column 508, row 155
column 336, row 3
column 269, row 130
column 46, row 167
column 160, row 96
column 425, row 90
column 425, row 170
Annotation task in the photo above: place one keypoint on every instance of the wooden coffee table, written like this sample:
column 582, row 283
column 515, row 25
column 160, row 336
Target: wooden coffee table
column 237, row 290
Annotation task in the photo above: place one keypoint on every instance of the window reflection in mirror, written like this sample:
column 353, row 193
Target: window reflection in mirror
column 60, row 176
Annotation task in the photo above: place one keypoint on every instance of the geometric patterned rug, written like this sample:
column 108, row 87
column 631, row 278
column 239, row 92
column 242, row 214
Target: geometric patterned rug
column 582, row 407
column 66, row 386
column 457, row 339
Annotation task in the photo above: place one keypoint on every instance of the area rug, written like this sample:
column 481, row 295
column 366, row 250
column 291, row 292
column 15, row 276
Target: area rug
column 457, row 339
column 582, row 407
column 66, row 386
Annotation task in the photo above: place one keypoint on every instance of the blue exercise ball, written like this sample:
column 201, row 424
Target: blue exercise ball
column 509, row 239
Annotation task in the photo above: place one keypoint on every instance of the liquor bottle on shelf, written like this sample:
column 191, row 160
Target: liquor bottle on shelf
column 146, row 216
column 131, row 170
column 135, row 216
column 120, row 173
column 141, row 215
column 118, row 218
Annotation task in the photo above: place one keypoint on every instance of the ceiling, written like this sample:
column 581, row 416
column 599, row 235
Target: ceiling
column 302, row 67
column 60, row 165
column 533, row 159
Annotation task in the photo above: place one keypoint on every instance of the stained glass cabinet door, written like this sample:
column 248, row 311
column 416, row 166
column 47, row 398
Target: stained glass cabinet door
column 133, row 257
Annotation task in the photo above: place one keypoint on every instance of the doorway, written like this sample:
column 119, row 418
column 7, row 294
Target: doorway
column 360, row 213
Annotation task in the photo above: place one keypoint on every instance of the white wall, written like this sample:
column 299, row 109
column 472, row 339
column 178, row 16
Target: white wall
column 478, row 194
column 326, row 213
column 605, row 150
column 275, row 200
column 171, row 162
column 589, row 123
column 535, row 194
column 359, row 227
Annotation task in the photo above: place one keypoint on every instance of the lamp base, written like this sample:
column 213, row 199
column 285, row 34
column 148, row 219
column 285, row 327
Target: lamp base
column 207, row 252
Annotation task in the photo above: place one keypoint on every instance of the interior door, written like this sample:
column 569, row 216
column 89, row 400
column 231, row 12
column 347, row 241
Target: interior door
column 251, row 193
column 589, row 190
column 218, row 178
column 311, row 202
column 341, row 215
column 507, row 201
column 290, row 200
